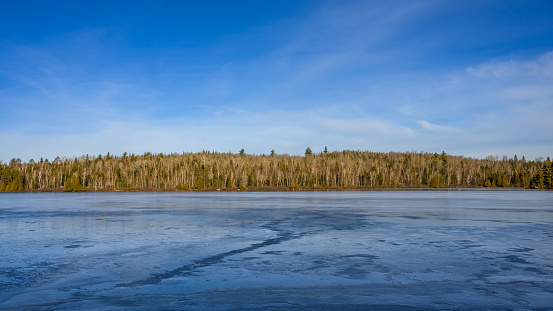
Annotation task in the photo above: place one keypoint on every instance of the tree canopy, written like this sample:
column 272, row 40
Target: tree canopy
column 213, row 170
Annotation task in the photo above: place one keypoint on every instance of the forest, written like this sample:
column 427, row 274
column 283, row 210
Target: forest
column 209, row 171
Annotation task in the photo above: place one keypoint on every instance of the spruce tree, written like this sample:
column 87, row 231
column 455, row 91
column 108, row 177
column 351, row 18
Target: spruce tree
column 6, row 179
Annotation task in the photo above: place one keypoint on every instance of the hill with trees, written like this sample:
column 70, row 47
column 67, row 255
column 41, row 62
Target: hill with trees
column 228, row 171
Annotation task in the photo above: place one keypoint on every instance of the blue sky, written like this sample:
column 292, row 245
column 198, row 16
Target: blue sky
column 471, row 78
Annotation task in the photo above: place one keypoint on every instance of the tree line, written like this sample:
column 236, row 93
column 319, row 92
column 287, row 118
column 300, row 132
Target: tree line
column 229, row 171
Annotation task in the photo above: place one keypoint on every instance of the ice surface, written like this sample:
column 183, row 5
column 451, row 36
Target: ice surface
column 384, row 250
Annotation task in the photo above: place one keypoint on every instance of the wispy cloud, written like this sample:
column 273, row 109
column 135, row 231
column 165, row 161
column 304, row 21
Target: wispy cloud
column 435, row 127
column 540, row 67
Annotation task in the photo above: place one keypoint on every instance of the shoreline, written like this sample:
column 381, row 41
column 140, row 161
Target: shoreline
column 299, row 189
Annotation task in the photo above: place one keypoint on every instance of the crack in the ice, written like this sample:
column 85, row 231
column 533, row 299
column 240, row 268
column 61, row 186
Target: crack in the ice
column 212, row 260
column 185, row 270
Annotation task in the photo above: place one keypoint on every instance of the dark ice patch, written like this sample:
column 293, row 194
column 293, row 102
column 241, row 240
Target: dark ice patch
column 514, row 258
column 521, row 250
column 366, row 256
column 484, row 274
column 353, row 273
column 383, row 269
column 468, row 244
column 535, row 270
column 271, row 253
column 412, row 217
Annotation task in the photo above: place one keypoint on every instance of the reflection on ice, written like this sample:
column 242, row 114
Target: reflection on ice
column 316, row 250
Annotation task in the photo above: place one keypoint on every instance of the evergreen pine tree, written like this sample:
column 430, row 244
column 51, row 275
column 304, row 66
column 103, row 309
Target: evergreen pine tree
column 5, row 180
column 547, row 174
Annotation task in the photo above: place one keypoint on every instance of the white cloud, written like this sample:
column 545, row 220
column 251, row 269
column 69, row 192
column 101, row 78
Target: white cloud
column 435, row 127
column 540, row 67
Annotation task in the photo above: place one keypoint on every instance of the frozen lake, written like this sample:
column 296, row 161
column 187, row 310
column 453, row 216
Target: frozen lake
column 384, row 250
